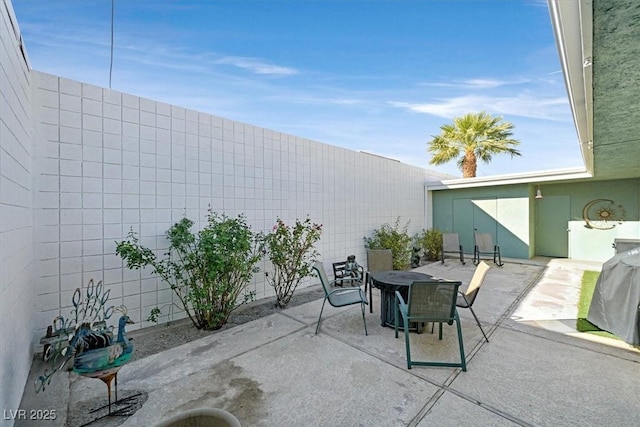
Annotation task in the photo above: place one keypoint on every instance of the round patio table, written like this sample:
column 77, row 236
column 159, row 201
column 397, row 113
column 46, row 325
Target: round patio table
column 390, row 281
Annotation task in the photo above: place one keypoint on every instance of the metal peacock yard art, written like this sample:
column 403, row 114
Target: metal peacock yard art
column 87, row 339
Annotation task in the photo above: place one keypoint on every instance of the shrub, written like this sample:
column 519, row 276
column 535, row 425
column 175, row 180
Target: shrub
column 292, row 253
column 395, row 238
column 207, row 271
column 431, row 243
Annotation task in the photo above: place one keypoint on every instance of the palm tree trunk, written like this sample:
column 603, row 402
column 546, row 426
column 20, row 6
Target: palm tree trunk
column 469, row 165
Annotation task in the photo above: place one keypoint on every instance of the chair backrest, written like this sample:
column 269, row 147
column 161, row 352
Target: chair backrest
column 432, row 301
column 323, row 276
column 379, row 260
column 450, row 242
column 484, row 241
column 476, row 281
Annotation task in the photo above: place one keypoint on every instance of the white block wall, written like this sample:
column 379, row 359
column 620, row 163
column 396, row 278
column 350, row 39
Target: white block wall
column 109, row 162
column 16, row 223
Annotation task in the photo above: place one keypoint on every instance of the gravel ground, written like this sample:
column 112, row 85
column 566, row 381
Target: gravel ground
column 155, row 339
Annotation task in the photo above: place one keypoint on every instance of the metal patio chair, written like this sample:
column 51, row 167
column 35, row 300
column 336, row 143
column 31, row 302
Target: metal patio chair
column 430, row 301
column 483, row 246
column 340, row 297
column 468, row 297
column 377, row 260
column 451, row 245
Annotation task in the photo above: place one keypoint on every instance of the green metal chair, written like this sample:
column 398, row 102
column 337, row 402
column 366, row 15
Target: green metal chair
column 377, row 260
column 340, row 297
column 430, row 301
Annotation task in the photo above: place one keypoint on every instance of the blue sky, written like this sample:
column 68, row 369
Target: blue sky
column 379, row 76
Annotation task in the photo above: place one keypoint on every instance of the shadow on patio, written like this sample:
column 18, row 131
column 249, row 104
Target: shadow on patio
column 275, row 372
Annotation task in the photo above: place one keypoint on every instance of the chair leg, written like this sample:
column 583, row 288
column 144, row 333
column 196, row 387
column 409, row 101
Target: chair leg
column 478, row 322
column 476, row 255
column 363, row 319
column 405, row 323
column 462, row 256
column 406, row 341
column 395, row 321
column 370, row 294
column 319, row 317
column 463, row 360
column 497, row 251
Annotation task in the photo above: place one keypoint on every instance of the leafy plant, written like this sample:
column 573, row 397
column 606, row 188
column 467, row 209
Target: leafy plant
column 431, row 243
column 153, row 316
column 291, row 252
column 207, row 271
column 395, row 238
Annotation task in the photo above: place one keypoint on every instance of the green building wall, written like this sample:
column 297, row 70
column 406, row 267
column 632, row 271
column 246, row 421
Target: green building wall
column 553, row 226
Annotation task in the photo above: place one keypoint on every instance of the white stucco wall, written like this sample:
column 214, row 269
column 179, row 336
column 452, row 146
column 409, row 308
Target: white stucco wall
column 16, row 223
column 597, row 245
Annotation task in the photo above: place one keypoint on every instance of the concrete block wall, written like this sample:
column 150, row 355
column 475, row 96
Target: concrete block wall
column 16, row 221
column 111, row 162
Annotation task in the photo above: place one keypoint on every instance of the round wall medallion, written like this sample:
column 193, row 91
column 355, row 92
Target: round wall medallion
column 602, row 214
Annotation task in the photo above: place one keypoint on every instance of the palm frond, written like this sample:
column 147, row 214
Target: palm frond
column 480, row 134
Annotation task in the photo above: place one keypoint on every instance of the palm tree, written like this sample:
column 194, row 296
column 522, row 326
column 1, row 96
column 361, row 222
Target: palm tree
column 471, row 137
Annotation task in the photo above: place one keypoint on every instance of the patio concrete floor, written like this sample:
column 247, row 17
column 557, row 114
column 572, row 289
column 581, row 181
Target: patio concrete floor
column 535, row 371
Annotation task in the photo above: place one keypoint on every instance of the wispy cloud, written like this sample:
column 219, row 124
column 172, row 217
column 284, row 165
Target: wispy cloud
column 538, row 107
column 256, row 66
column 477, row 83
column 230, row 70
column 310, row 98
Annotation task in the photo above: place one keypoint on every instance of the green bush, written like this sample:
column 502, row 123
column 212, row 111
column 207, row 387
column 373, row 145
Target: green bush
column 208, row 271
column 291, row 252
column 395, row 238
column 431, row 243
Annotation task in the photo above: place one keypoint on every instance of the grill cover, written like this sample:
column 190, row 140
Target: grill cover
column 615, row 306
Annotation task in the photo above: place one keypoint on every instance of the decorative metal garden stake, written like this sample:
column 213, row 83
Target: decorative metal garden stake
column 88, row 340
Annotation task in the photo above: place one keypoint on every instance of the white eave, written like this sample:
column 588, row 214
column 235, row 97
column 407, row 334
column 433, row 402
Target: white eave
column 572, row 23
column 568, row 174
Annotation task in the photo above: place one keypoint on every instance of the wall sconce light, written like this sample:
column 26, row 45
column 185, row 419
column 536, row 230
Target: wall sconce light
column 539, row 193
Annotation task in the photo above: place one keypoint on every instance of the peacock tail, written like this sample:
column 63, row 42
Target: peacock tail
column 85, row 337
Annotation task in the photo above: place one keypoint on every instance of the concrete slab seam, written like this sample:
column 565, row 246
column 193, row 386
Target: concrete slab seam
column 489, row 408
column 512, row 307
column 295, row 318
column 424, row 411
column 446, row 386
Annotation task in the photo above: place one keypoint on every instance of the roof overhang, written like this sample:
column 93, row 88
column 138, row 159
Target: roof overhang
column 572, row 23
column 558, row 175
